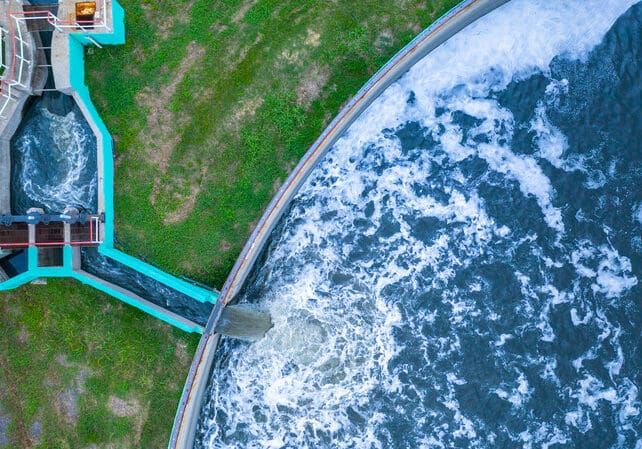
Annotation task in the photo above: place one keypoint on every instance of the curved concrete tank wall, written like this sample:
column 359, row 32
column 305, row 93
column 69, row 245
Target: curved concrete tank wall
column 464, row 14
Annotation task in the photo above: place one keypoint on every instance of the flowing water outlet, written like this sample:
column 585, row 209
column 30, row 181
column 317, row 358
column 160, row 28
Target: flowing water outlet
column 238, row 321
column 462, row 269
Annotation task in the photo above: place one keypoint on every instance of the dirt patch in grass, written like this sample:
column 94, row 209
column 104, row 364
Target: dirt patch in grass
column 313, row 38
column 168, row 22
column 187, row 202
column 276, row 186
column 123, row 408
column 5, row 420
column 161, row 133
column 293, row 55
column 312, row 83
column 187, row 265
column 23, row 335
column 244, row 110
column 224, row 246
column 384, row 40
column 66, row 402
column 62, row 361
column 243, row 9
column 181, row 353
column 139, row 422
column 35, row 431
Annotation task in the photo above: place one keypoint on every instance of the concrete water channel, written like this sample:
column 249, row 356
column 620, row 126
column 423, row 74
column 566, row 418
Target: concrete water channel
column 40, row 243
column 43, row 47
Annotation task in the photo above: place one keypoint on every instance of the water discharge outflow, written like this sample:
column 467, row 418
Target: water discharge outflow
column 238, row 321
column 243, row 321
column 462, row 269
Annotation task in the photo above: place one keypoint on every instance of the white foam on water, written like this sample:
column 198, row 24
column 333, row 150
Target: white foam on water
column 67, row 183
column 615, row 366
column 548, row 370
column 532, row 180
column 472, row 68
column 611, row 271
column 497, row 126
column 516, row 395
column 463, row 426
column 551, row 141
column 301, row 371
column 520, row 38
column 317, row 377
column 542, row 437
column 575, row 319
column 503, row 338
column 592, row 391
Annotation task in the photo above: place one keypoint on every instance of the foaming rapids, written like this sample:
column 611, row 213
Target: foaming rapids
column 462, row 269
column 54, row 161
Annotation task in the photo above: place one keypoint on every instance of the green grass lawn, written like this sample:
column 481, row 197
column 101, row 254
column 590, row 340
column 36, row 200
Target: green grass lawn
column 211, row 104
column 79, row 368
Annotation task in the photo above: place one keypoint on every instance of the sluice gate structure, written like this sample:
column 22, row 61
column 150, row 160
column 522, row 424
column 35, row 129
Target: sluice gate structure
column 36, row 243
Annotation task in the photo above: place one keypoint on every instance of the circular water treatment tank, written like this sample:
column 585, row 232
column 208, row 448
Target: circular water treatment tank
column 465, row 253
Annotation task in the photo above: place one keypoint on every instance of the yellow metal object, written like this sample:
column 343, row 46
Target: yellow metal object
column 85, row 9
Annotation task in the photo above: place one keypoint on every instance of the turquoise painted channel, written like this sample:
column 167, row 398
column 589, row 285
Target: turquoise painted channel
column 77, row 42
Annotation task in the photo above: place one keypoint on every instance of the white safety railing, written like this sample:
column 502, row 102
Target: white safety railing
column 99, row 24
column 14, row 71
column 95, row 231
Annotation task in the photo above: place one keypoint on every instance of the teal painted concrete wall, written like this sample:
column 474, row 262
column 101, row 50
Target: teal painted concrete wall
column 77, row 43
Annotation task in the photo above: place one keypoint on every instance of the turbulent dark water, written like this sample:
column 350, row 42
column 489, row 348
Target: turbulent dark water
column 53, row 157
column 144, row 286
column 462, row 270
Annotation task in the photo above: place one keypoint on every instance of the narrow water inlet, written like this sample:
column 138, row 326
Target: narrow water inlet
column 144, row 286
column 244, row 321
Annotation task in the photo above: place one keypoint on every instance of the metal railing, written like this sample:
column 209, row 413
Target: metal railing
column 16, row 69
column 98, row 23
column 94, row 237
column 20, row 48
